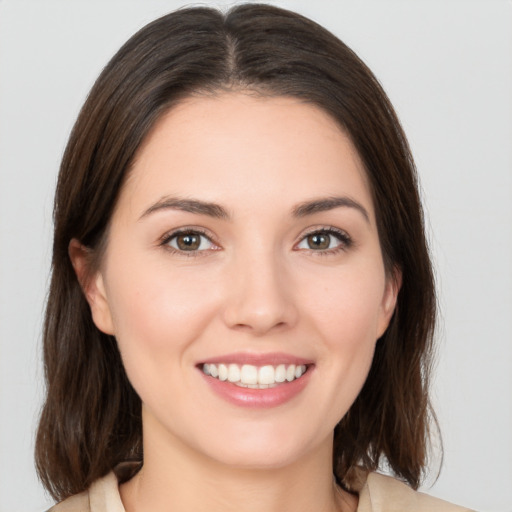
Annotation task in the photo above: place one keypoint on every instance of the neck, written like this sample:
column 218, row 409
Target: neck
column 175, row 477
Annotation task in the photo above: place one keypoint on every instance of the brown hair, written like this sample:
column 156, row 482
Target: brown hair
column 91, row 419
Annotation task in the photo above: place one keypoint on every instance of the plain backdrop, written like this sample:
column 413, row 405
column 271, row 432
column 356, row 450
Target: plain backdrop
column 447, row 67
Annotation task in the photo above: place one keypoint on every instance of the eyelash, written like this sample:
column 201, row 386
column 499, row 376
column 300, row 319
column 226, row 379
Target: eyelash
column 345, row 241
column 168, row 237
column 343, row 237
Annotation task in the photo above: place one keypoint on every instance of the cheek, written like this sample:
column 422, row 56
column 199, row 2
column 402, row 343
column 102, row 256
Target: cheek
column 157, row 312
column 347, row 313
column 348, row 307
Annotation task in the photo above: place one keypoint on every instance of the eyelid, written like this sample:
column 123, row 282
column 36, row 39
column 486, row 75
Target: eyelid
column 164, row 240
column 344, row 238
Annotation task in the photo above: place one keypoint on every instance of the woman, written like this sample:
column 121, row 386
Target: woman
column 242, row 304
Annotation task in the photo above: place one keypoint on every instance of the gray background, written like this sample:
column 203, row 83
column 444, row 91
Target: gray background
column 447, row 66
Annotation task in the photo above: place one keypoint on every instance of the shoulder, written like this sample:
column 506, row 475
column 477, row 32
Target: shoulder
column 102, row 496
column 382, row 493
column 77, row 503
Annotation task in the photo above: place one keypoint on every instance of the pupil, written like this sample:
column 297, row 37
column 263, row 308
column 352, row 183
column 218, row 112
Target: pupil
column 318, row 241
column 188, row 242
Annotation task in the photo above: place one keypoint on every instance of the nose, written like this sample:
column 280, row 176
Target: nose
column 261, row 297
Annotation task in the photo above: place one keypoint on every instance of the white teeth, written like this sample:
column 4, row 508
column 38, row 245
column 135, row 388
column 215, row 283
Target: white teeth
column 266, row 375
column 233, row 373
column 255, row 377
column 255, row 386
column 280, row 373
column 249, row 374
column 223, row 372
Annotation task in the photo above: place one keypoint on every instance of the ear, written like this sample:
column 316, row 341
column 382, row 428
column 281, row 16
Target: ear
column 92, row 285
column 393, row 285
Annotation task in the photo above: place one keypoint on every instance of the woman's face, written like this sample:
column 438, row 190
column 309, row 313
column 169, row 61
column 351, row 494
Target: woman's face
column 243, row 279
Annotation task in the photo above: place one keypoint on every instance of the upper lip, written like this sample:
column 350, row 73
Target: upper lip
column 269, row 358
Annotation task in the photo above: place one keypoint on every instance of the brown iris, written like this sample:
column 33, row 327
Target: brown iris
column 188, row 241
column 319, row 241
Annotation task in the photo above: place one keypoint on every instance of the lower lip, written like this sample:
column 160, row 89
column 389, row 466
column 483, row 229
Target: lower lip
column 258, row 398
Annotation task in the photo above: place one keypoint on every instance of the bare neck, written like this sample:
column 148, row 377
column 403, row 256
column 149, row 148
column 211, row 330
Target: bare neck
column 178, row 479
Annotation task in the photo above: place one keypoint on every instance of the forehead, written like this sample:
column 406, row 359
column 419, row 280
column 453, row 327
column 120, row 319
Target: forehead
column 236, row 147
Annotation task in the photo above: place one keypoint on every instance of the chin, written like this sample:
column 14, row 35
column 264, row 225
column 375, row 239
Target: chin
column 254, row 459
column 263, row 449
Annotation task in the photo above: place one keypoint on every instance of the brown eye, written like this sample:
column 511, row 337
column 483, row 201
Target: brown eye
column 319, row 241
column 325, row 241
column 189, row 241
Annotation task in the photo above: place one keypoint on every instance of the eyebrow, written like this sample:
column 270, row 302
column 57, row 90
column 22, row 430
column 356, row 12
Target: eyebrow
column 187, row 205
column 329, row 203
column 218, row 212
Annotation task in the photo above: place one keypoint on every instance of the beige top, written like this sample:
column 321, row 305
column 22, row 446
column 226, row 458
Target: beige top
column 378, row 493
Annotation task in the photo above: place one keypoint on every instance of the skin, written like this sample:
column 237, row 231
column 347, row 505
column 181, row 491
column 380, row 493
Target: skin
column 256, row 285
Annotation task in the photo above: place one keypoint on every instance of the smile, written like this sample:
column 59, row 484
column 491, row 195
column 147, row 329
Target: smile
column 255, row 377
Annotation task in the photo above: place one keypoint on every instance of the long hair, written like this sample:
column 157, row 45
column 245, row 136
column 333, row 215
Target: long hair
column 91, row 419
